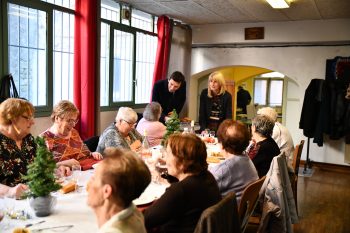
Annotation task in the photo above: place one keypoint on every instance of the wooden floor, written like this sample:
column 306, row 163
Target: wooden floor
column 323, row 201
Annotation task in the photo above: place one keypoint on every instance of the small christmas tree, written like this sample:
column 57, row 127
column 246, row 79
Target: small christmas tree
column 40, row 175
column 172, row 125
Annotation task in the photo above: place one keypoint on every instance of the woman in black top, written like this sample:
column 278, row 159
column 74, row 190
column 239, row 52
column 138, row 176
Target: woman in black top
column 263, row 148
column 179, row 209
column 215, row 103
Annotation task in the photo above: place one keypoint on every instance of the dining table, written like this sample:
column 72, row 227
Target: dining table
column 71, row 213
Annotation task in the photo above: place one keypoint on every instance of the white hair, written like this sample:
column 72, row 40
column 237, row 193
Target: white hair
column 127, row 114
column 268, row 112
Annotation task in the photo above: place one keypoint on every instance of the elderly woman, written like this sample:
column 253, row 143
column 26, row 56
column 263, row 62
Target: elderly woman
column 280, row 133
column 122, row 132
column 237, row 170
column 120, row 178
column 263, row 148
column 63, row 140
column 17, row 145
column 215, row 103
column 150, row 124
column 180, row 207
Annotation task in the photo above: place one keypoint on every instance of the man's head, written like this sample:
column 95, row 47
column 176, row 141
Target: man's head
column 175, row 81
column 120, row 178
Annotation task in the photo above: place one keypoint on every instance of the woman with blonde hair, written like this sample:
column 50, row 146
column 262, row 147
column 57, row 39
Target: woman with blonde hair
column 215, row 103
column 17, row 145
column 64, row 141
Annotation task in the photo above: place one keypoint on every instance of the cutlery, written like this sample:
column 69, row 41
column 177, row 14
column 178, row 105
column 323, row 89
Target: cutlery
column 56, row 228
column 31, row 224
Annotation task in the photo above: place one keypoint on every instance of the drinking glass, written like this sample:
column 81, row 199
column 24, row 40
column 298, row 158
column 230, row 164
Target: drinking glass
column 76, row 174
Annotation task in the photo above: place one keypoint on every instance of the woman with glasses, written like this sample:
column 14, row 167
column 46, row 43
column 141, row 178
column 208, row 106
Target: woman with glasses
column 17, row 145
column 63, row 140
column 122, row 132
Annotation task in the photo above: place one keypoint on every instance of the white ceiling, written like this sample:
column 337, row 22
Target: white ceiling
column 242, row 11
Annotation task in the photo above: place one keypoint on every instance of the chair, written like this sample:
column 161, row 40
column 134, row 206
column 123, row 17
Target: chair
column 221, row 217
column 296, row 162
column 249, row 201
column 92, row 143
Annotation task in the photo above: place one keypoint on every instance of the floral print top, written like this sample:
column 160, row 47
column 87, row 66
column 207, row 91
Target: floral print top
column 14, row 160
column 66, row 148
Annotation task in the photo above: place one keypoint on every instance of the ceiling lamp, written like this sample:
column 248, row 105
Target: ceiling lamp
column 279, row 3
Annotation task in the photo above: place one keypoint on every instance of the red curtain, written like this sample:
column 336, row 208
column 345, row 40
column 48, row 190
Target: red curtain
column 164, row 27
column 85, row 64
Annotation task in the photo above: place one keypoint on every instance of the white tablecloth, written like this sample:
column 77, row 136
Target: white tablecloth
column 71, row 209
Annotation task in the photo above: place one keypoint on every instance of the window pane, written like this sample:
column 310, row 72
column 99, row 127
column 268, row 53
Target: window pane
column 65, row 3
column 110, row 10
column 155, row 24
column 141, row 20
column 146, row 47
column 122, row 66
column 260, row 90
column 276, row 93
column 63, row 56
column 27, row 52
column 104, row 65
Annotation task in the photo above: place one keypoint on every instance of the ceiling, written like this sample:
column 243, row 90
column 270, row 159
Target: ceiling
column 195, row 12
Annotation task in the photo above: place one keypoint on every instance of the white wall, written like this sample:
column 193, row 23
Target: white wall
column 300, row 63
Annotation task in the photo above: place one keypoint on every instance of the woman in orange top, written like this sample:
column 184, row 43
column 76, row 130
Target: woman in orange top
column 63, row 140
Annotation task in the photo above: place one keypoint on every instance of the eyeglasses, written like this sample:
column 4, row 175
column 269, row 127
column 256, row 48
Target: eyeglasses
column 72, row 121
column 129, row 123
column 28, row 118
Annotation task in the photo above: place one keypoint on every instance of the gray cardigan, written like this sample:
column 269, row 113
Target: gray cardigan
column 111, row 137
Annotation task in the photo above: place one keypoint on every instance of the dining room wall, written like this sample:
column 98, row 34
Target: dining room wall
column 297, row 49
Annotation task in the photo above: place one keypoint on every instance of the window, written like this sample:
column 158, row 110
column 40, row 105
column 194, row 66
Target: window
column 39, row 49
column 268, row 91
column 127, row 56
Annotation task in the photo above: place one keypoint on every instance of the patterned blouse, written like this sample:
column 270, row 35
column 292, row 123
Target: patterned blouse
column 111, row 137
column 66, row 148
column 13, row 160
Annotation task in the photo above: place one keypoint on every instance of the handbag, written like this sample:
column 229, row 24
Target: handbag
column 8, row 88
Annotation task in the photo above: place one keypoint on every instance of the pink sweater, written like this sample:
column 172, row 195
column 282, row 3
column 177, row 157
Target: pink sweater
column 155, row 131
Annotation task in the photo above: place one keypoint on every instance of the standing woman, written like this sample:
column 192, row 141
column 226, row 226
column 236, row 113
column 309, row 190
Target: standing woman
column 215, row 103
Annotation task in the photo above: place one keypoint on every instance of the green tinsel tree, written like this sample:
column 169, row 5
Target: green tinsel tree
column 40, row 176
column 172, row 125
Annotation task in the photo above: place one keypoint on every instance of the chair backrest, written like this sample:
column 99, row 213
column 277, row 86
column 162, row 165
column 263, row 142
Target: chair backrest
column 297, row 155
column 249, row 201
column 92, row 143
column 221, row 217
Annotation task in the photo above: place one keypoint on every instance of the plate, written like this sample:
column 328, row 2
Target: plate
column 143, row 200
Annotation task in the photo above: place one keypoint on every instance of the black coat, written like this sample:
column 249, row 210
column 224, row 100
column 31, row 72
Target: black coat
column 206, row 105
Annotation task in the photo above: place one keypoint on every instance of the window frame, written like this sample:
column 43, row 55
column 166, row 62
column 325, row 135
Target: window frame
column 268, row 87
column 4, row 69
column 129, row 29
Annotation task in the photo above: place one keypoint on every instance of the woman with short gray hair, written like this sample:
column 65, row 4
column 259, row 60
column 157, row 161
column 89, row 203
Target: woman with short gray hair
column 150, row 124
column 263, row 148
column 121, row 133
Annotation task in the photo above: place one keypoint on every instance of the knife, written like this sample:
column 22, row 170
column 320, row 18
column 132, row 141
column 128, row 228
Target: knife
column 62, row 228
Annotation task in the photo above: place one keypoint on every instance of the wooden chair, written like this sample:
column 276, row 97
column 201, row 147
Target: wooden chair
column 221, row 217
column 249, row 201
column 296, row 162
